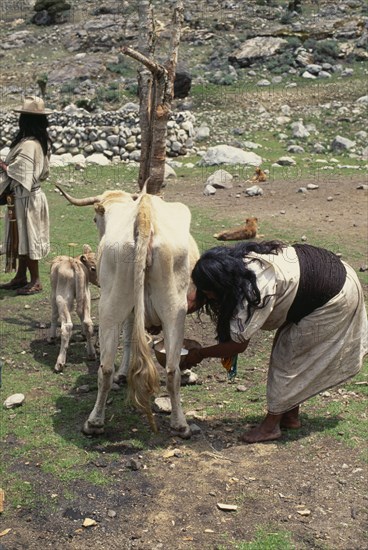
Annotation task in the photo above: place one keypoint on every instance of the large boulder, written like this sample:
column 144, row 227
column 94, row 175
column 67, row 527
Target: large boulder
column 256, row 49
column 226, row 154
column 340, row 144
column 182, row 83
column 49, row 12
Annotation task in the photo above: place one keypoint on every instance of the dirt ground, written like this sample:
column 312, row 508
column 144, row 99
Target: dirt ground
column 167, row 497
column 336, row 211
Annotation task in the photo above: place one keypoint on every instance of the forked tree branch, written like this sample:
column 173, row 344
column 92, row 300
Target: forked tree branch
column 151, row 65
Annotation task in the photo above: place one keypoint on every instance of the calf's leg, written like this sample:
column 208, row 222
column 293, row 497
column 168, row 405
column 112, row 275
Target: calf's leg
column 84, row 313
column 66, row 332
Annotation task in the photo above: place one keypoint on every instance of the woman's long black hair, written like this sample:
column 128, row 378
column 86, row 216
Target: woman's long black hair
column 33, row 126
column 221, row 270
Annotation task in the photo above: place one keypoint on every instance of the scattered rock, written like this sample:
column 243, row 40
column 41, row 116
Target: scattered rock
column 209, row 190
column 162, row 405
column 134, row 464
column 88, row 522
column 299, row 130
column 220, row 180
column 195, row 429
column 256, row 49
column 286, row 161
column 13, row 401
column 362, row 100
column 188, row 378
column 85, row 388
column 169, row 172
column 309, row 75
column 295, row 149
column 263, row 82
column 202, row 133
column 226, row 154
column 342, row 144
column 254, row 191
column 304, row 512
column 227, row 507
column 98, row 159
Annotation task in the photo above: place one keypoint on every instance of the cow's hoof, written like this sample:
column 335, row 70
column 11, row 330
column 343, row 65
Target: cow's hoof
column 121, row 379
column 58, row 367
column 90, row 429
column 183, row 433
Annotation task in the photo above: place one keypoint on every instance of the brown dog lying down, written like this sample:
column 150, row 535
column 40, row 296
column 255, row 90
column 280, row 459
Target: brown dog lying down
column 259, row 176
column 240, row 233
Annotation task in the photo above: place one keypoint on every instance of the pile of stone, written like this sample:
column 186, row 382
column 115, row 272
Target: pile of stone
column 112, row 133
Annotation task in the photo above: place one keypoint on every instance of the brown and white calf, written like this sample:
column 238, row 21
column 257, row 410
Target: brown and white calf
column 70, row 278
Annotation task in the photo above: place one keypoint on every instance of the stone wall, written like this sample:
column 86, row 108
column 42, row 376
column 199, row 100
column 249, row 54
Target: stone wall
column 113, row 133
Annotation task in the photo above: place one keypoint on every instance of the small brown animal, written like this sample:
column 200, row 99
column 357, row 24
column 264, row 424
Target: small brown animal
column 70, row 278
column 240, row 233
column 259, row 176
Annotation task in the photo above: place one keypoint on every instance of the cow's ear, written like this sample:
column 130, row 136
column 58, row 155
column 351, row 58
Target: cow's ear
column 83, row 259
column 99, row 209
column 86, row 249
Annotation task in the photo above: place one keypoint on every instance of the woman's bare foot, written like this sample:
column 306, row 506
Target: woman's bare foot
column 290, row 420
column 259, row 434
column 268, row 430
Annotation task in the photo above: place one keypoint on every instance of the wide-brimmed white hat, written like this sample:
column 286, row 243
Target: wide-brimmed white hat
column 33, row 105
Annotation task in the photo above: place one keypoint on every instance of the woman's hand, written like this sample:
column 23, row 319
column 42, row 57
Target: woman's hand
column 193, row 358
column 225, row 349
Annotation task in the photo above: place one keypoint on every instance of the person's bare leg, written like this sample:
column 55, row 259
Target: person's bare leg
column 20, row 278
column 290, row 419
column 34, row 271
column 34, row 285
column 268, row 430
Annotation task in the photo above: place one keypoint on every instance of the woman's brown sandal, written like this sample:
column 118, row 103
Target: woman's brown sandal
column 29, row 289
column 14, row 284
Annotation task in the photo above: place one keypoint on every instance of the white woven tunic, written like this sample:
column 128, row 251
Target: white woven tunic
column 27, row 166
column 324, row 349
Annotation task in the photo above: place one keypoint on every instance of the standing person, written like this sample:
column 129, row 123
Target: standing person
column 26, row 165
column 313, row 299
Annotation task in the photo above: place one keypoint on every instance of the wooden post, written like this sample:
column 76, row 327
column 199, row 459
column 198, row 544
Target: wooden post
column 2, row 500
column 156, row 92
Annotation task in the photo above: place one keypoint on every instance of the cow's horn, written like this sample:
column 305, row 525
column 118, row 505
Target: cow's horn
column 78, row 202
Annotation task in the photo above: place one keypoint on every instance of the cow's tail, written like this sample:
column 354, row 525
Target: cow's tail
column 143, row 378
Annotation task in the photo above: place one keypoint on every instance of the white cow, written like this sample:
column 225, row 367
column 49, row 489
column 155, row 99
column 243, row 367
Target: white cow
column 70, row 278
column 144, row 263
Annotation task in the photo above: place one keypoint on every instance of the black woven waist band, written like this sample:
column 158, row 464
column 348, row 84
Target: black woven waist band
column 322, row 276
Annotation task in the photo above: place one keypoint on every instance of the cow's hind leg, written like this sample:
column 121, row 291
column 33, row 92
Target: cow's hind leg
column 109, row 340
column 121, row 375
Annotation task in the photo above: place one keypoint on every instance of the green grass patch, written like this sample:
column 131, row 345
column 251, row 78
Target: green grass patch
column 266, row 539
column 47, row 427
